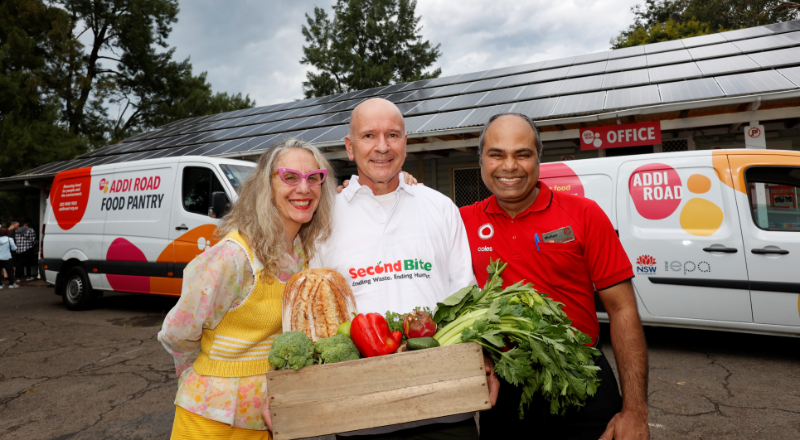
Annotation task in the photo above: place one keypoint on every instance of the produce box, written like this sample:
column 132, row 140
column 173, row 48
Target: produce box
column 377, row 391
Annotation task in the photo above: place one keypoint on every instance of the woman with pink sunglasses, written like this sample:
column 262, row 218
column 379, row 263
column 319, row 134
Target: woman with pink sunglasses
column 222, row 328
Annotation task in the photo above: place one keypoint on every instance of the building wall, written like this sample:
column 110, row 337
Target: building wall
column 437, row 173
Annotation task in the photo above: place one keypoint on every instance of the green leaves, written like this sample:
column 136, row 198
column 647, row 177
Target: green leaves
column 395, row 320
column 366, row 44
column 34, row 42
column 446, row 311
column 657, row 21
column 54, row 90
column 544, row 353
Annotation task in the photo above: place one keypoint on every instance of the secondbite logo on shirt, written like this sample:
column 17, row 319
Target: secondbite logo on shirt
column 381, row 271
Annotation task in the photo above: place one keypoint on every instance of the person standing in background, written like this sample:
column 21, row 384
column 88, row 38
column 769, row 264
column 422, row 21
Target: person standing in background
column 15, row 256
column 25, row 239
column 7, row 245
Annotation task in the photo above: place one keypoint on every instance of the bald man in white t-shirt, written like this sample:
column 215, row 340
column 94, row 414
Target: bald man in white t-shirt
column 399, row 246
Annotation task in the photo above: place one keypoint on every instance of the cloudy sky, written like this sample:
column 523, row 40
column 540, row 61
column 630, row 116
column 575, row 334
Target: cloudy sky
column 254, row 46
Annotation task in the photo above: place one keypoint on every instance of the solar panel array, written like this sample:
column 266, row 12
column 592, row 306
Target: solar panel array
column 741, row 62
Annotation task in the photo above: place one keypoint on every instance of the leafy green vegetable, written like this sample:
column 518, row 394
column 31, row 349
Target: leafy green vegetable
column 395, row 321
column 337, row 348
column 422, row 343
column 292, row 350
column 528, row 336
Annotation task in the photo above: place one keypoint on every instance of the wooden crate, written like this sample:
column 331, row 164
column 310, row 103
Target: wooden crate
column 378, row 391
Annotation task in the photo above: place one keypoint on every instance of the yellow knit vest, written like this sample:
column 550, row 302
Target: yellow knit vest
column 239, row 345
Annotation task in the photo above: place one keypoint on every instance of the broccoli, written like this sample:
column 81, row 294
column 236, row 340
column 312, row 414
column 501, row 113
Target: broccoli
column 337, row 348
column 292, row 350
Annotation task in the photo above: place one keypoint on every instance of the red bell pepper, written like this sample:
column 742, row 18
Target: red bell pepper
column 372, row 337
column 397, row 335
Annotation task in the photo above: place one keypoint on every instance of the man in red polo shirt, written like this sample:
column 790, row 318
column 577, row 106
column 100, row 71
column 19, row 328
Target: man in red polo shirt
column 566, row 246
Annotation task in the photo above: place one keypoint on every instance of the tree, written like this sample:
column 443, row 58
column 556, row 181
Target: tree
column 662, row 20
column 149, row 87
column 368, row 43
column 670, row 30
column 33, row 37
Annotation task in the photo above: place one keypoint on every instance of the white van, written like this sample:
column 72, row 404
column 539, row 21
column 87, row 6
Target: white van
column 134, row 226
column 713, row 236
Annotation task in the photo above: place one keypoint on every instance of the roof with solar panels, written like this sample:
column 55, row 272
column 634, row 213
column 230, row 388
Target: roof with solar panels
column 561, row 94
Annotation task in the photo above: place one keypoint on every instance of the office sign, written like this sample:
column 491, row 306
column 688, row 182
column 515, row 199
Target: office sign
column 618, row 136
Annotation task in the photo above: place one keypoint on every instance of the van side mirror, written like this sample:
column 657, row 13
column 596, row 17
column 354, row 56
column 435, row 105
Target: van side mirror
column 220, row 205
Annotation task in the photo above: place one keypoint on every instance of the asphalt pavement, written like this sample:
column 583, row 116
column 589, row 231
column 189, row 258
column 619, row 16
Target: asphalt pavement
column 101, row 374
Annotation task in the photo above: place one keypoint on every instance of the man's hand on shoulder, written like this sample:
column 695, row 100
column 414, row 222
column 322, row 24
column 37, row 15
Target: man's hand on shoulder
column 627, row 425
column 410, row 180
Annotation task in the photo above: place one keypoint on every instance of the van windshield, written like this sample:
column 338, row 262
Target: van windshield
column 236, row 174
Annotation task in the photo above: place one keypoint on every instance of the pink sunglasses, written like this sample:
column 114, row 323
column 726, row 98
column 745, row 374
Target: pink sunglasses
column 294, row 177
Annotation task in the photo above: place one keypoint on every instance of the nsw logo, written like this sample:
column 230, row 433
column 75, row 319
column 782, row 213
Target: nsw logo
column 646, row 264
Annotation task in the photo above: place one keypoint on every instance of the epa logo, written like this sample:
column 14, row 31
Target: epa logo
column 592, row 138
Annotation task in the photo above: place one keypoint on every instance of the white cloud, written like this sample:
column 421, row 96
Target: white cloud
column 254, row 47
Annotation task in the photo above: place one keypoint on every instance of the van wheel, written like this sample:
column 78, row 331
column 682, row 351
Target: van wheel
column 77, row 294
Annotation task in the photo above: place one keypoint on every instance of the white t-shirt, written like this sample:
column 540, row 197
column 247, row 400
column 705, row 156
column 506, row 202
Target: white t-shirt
column 414, row 254
column 387, row 200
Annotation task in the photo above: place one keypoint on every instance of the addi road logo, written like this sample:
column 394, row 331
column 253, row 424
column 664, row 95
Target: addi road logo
column 592, row 138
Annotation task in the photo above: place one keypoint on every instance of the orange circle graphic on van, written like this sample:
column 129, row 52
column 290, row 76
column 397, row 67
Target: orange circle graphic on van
column 656, row 190
column 698, row 184
column 701, row 217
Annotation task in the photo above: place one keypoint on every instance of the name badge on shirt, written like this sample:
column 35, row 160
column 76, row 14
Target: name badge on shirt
column 563, row 235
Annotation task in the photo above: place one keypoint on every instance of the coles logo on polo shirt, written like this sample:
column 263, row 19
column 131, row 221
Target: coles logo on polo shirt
column 391, row 271
column 486, row 231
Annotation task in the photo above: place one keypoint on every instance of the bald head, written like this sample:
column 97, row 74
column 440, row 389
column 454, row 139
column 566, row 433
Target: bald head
column 374, row 109
column 376, row 141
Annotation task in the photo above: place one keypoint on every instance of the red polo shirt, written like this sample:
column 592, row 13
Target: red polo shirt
column 568, row 272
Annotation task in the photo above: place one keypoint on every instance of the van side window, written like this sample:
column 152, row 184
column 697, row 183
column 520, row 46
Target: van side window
column 773, row 194
column 198, row 185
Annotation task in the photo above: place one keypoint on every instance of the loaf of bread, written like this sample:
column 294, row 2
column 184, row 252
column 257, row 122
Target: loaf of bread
column 316, row 302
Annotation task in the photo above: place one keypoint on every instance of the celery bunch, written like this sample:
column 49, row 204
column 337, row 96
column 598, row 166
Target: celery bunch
column 528, row 336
